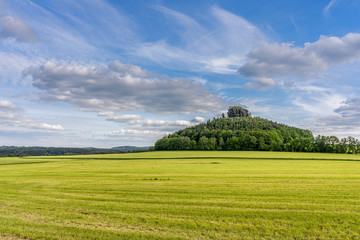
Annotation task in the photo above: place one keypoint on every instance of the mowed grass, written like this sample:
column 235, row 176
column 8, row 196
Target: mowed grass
column 181, row 195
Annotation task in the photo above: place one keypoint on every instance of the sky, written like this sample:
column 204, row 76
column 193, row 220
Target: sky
column 101, row 73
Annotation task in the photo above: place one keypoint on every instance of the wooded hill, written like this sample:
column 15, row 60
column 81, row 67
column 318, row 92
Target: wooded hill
column 240, row 131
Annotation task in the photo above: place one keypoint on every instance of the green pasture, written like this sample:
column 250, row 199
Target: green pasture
column 181, row 195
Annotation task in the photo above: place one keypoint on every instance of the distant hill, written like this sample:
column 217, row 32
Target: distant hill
column 238, row 131
column 129, row 148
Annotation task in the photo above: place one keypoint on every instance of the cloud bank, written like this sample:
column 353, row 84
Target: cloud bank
column 120, row 88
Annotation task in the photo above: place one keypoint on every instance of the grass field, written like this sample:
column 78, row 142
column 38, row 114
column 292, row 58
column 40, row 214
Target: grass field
column 181, row 195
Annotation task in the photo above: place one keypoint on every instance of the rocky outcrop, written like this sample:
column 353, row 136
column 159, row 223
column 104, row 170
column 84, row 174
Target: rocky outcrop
column 237, row 111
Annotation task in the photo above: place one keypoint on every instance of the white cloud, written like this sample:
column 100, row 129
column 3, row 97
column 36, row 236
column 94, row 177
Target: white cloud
column 278, row 60
column 51, row 127
column 199, row 80
column 198, row 120
column 9, row 116
column 261, row 83
column 16, row 28
column 6, row 106
column 100, row 89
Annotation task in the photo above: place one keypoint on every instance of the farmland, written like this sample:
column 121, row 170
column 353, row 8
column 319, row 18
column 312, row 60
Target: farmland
column 181, row 195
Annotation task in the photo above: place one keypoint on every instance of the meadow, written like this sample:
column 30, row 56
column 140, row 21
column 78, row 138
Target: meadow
column 181, row 195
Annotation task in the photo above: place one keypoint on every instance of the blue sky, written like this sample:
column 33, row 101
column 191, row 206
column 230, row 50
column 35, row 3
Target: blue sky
column 109, row 73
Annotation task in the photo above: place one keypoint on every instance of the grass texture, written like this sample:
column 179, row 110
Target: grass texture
column 181, row 195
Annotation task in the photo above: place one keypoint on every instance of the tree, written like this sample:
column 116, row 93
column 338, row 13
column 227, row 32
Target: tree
column 333, row 141
column 352, row 145
column 203, row 143
column 221, row 143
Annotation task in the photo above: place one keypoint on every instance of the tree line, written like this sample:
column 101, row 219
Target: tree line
column 13, row 151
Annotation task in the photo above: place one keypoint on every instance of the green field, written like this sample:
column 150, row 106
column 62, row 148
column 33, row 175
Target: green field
column 181, row 195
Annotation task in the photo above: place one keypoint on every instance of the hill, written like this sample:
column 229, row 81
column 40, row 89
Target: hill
column 239, row 131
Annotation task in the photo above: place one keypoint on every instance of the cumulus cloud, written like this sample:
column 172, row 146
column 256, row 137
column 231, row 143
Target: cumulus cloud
column 262, row 83
column 275, row 60
column 198, row 120
column 333, row 50
column 278, row 60
column 9, row 116
column 16, row 28
column 50, row 127
column 101, row 89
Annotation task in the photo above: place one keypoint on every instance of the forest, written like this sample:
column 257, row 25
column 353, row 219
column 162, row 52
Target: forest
column 240, row 131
